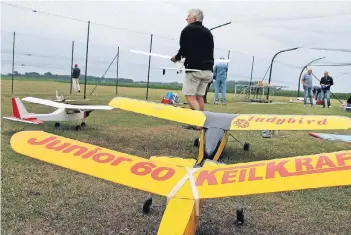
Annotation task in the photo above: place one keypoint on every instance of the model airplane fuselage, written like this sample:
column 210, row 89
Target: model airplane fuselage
column 64, row 112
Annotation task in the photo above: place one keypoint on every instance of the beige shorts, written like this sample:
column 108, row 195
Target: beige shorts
column 195, row 83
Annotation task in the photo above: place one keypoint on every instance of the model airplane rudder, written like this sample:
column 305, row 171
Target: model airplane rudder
column 18, row 109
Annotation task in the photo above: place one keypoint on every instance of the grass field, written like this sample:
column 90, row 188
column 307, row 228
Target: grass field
column 39, row 198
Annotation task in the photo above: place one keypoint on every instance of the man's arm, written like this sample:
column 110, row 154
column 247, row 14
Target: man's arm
column 214, row 72
column 331, row 81
column 183, row 43
column 303, row 79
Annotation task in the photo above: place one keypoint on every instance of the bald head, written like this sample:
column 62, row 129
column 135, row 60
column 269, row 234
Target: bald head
column 309, row 71
column 326, row 74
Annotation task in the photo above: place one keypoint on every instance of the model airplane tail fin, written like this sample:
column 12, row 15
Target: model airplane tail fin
column 18, row 109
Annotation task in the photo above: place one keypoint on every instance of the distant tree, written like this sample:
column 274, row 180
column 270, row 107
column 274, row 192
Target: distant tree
column 48, row 74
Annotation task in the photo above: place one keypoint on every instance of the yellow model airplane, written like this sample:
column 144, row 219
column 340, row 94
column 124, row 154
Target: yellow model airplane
column 184, row 186
column 216, row 126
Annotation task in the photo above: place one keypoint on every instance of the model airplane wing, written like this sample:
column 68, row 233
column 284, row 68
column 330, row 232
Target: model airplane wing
column 328, row 136
column 167, row 56
column 277, row 175
column 243, row 122
column 181, row 69
column 66, row 106
column 168, row 112
column 252, row 122
column 121, row 168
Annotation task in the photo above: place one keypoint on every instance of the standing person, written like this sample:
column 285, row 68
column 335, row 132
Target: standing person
column 307, row 87
column 220, row 74
column 326, row 83
column 197, row 46
column 75, row 78
column 207, row 89
column 316, row 91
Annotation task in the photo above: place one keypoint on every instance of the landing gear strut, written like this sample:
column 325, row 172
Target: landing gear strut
column 239, row 215
column 147, row 205
column 246, row 145
column 196, row 142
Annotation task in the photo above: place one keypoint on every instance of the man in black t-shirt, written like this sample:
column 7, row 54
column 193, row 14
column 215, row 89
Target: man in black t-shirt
column 75, row 78
column 326, row 83
column 197, row 46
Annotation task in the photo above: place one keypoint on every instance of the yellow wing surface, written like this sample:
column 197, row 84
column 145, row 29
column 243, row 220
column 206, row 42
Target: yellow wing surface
column 168, row 112
column 286, row 174
column 211, row 181
column 125, row 169
column 289, row 122
column 242, row 122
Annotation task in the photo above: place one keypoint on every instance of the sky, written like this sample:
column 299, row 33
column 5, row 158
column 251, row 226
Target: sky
column 258, row 30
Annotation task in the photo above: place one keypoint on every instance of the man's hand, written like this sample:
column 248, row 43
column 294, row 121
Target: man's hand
column 173, row 59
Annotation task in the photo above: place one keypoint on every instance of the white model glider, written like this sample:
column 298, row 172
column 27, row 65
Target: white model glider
column 64, row 112
column 179, row 64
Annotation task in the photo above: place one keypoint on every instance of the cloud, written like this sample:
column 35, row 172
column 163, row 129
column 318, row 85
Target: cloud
column 258, row 29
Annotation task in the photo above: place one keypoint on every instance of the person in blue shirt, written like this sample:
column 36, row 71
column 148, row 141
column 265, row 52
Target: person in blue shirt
column 220, row 77
column 307, row 87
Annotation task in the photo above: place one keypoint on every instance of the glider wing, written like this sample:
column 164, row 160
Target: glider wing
column 277, row 175
column 251, row 122
column 326, row 136
column 168, row 112
column 66, row 106
column 121, row 168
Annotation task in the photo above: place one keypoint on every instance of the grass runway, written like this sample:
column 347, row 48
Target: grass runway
column 39, row 198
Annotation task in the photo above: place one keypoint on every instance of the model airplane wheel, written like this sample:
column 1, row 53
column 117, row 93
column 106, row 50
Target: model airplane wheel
column 57, row 124
column 246, row 147
column 197, row 142
column 147, row 205
column 239, row 215
column 78, row 128
column 83, row 124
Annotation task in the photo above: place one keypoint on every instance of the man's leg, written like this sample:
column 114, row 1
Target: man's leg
column 328, row 97
column 310, row 96
column 205, row 79
column 207, row 88
column 305, row 90
column 201, row 102
column 323, row 97
column 78, row 87
column 224, row 90
column 216, row 83
column 190, row 85
column 73, row 84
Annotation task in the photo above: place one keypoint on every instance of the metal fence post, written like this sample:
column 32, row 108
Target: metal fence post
column 70, row 89
column 253, row 61
column 13, row 59
column 148, row 73
column 117, row 71
column 86, row 62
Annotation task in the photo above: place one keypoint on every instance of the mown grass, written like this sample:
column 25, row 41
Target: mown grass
column 39, row 198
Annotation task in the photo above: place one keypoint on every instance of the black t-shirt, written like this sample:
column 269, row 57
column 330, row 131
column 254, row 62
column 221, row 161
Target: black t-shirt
column 76, row 73
column 327, row 81
column 196, row 45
